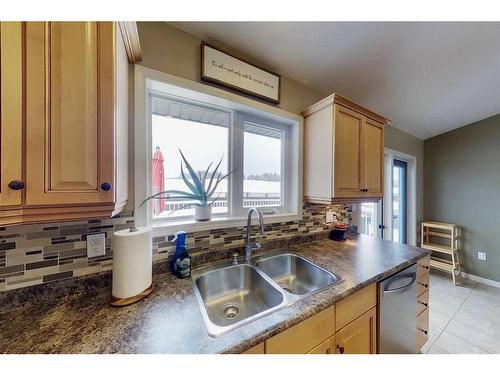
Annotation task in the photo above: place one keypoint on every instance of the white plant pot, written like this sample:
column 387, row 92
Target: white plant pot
column 202, row 213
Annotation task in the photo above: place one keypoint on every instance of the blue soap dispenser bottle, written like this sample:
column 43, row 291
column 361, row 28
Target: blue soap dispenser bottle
column 180, row 264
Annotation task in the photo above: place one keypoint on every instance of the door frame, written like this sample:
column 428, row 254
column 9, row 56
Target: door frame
column 411, row 203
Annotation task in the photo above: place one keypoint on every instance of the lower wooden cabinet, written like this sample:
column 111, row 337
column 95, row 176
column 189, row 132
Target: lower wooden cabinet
column 359, row 336
column 348, row 327
column 257, row 349
column 326, row 347
column 305, row 336
column 422, row 309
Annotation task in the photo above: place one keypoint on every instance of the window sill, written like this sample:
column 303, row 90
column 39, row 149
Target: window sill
column 163, row 228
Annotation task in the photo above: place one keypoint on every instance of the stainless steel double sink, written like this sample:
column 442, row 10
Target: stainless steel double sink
column 231, row 295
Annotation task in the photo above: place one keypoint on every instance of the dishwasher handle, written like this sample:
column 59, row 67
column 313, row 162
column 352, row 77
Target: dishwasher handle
column 403, row 288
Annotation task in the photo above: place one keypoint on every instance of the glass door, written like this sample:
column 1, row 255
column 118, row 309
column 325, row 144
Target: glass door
column 399, row 201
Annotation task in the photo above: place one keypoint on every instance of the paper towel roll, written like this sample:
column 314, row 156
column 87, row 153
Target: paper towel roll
column 132, row 262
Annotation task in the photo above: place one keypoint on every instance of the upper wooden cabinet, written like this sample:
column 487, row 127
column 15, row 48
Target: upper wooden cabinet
column 10, row 113
column 71, row 142
column 343, row 152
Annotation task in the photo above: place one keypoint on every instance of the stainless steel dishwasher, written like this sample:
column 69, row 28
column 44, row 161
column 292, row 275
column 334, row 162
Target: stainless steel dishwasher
column 397, row 296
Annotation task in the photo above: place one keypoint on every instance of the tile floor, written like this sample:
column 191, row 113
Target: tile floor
column 463, row 318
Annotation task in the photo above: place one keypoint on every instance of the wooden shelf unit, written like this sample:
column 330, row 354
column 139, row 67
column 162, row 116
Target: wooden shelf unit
column 449, row 232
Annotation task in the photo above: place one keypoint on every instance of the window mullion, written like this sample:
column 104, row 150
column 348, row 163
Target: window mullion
column 236, row 153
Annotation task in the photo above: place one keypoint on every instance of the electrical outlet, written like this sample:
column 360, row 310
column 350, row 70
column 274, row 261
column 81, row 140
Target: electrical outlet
column 96, row 245
column 481, row 255
column 330, row 217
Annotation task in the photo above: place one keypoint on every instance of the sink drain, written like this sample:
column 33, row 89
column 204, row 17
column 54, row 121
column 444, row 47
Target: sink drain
column 230, row 311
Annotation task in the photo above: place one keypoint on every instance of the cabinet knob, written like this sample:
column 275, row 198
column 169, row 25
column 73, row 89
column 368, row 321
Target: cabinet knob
column 341, row 349
column 426, row 267
column 423, row 303
column 106, row 186
column 423, row 330
column 16, row 185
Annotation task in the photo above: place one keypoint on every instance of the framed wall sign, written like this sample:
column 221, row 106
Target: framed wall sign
column 222, row 68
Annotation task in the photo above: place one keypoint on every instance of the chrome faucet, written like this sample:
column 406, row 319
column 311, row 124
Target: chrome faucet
column 249, row 247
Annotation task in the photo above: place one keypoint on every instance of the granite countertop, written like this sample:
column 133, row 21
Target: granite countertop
column 169, row 320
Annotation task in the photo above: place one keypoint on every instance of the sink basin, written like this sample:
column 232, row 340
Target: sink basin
column 234, row 295
column 295, row 274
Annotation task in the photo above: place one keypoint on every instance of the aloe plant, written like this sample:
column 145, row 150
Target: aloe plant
column 202, row 187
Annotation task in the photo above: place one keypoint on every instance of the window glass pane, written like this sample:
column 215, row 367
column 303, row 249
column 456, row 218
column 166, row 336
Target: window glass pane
column 202, row 144
column 262, row 183
column 367, row 224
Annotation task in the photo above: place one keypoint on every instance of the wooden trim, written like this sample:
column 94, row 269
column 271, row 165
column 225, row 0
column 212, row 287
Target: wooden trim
column 336, row 98
column 323, row 200
column 130, row 36
column 47, row 214
column 237, row 88
column 121, row 302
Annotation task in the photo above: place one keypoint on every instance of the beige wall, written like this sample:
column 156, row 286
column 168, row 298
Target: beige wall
column 462, row 184
column 170, row 50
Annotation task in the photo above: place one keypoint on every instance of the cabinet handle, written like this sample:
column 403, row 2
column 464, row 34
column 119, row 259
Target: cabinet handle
column 426, row 267
column 106, row 186
column 423, row 303
column 424, row 285
column 16, row 185
column 341, row 349
column 423, row 330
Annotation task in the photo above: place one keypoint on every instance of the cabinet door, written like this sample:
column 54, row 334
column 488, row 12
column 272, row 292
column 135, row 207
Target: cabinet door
column 326, row 347
column 305, row 336
column 70, row 100
column 372, row 158
column 346, row 154
column 10, row 111
column 257, row 349
column 359, row 336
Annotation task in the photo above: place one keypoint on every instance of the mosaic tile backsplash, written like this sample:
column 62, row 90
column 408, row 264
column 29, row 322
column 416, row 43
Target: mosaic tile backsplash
column 41, row 253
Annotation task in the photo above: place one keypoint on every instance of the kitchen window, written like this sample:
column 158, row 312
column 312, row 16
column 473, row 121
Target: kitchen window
column 260, row 150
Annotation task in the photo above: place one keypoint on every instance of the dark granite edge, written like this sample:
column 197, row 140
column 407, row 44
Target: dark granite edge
column 309, row 312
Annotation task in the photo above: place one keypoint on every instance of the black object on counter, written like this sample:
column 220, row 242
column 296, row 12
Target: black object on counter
column 339, row 233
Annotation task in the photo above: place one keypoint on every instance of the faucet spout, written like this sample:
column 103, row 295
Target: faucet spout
column 249, row 247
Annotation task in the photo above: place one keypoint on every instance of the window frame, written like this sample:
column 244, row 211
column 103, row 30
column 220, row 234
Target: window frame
column 147, row 82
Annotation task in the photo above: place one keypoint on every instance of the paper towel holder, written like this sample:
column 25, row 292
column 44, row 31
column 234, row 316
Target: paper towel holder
column 120, row 302
column 125, row 301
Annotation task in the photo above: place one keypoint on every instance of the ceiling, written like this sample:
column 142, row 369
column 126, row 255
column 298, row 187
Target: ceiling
column 428, row 77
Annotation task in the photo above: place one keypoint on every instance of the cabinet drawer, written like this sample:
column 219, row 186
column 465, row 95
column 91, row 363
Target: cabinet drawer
column 422, row 302
column 423, row 321
column 422, row 338
column 257, row 349
column 423, row 266
column 326, row 347
column 304, row 336
column 423, row 284
column 355, row 305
